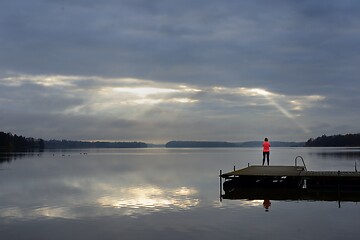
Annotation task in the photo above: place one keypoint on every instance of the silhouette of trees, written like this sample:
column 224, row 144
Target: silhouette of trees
column 10, row 142
column 348, row 140
column 199, row 144
column 82, row 144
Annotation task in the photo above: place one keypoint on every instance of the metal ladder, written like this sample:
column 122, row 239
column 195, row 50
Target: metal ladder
column 301, row 160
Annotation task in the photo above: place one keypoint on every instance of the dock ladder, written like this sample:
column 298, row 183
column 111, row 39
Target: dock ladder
column 303, row 162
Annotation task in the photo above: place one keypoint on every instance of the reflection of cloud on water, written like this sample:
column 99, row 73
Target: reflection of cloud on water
column 54, row 212
column 142, row 200
column 130, row 201
column 11, row 212
column 251, row 203
column 242, row 203
column 46, row 211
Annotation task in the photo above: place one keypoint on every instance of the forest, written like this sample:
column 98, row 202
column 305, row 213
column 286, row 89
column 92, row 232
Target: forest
column 10, row 142
column 347, row 140
column 98, row 144
column 198, row 144
column 214, row 144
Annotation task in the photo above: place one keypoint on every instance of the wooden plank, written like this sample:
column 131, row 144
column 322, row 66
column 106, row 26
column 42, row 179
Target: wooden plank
column 267, row 171
column 287, row 171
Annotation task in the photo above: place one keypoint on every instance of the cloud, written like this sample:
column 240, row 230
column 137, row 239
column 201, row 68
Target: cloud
column 125, row 60
column 127, row 108
column 305, row 43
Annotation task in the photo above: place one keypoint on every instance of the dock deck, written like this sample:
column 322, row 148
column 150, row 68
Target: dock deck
column 266, row 171
column 287, row 171
column 290, row 177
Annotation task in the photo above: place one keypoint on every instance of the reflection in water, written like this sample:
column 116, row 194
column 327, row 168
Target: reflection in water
column 141, row 200
column 266, row 204
column 154, row 194
column 39, row 213
column 291, row 194
column 249, row 203
column 339, row 153
column 131, row 201
column 14, row 212
column 7, row 157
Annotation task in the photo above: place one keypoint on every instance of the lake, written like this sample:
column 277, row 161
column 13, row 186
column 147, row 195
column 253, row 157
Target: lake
column 159, row 193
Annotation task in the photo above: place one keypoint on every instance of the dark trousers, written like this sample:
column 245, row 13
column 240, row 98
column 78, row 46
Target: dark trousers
column 267, row 154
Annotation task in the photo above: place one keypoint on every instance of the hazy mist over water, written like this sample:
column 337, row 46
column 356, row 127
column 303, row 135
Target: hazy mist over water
column 160, row 193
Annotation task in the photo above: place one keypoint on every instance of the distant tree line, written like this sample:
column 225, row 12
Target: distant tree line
column 348, row 140
column 83, row 144
column 198, row 144
column 215, row 144
column 10, row 142
column 273, row 144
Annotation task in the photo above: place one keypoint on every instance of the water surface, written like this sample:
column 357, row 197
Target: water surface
column 161, row 194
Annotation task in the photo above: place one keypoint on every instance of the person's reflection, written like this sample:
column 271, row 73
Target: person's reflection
column 266, row 204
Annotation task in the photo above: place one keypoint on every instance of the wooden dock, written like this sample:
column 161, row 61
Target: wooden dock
column 287, row 171
column 266, row 171
column 290, row 177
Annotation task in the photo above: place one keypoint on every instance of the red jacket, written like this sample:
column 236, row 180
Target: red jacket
column 266, row 147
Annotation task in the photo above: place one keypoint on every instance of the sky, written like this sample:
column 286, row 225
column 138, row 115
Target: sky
column 161, row 70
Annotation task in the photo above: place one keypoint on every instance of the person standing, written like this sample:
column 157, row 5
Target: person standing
column 266, row 151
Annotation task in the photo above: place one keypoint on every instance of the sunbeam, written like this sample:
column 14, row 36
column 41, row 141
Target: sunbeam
column 281, row 109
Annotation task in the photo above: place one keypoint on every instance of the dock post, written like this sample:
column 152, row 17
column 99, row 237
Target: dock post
column 234, row 168
column 220, row 185
column 339, row 202
column 355, row 167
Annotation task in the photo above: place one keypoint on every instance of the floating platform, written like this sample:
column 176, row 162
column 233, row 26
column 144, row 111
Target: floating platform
column 290, row 177
column 266, row 171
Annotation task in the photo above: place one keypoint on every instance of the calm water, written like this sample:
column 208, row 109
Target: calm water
column 161, row 194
